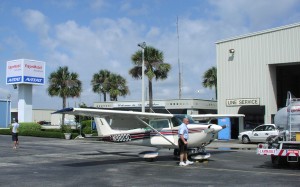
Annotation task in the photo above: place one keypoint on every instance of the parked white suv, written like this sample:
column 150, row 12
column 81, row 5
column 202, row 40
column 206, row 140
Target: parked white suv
column 258, row 134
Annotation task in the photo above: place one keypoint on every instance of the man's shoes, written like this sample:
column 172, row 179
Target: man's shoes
column 187, row 162
column 182, row 164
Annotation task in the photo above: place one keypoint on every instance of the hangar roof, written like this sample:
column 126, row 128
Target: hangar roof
column 259, row 33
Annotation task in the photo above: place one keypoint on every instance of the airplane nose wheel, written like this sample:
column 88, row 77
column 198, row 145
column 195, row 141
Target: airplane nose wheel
column 176, row 152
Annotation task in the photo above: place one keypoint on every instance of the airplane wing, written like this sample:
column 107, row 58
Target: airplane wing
column 215, row 116
column 95, row 112
column 116, row 113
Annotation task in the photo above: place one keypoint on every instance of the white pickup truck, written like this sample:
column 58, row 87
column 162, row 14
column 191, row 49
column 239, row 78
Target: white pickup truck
column 259, row 134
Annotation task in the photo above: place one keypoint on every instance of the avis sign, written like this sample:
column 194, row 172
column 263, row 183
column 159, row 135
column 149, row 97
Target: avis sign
column 24, row 71
column 242, row 102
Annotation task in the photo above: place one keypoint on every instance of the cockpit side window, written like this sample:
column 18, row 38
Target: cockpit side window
column 159, row 124
column 176, row 122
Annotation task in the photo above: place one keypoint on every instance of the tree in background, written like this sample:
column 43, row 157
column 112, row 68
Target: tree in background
column 107, row 82
column 117, row 86
column 154, row 67
column 64, row 84
column 100, row 82
column 210, row 79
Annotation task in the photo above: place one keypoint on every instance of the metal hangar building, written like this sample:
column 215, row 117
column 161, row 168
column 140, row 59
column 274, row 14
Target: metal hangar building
column 255, row 72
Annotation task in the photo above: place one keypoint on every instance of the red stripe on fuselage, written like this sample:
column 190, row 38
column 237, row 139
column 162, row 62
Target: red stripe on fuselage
column 148, row 134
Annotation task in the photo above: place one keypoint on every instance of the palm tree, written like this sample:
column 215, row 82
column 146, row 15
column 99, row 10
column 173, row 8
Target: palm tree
column 64, row 84
column 154, row 67
column 117, row 86
column 100, row 82
column 210, row 79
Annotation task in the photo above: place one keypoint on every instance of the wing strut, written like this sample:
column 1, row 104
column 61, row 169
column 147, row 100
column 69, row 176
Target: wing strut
column 155, row 130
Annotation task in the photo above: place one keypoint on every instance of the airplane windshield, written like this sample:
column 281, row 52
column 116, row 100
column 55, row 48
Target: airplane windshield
column 177, row 119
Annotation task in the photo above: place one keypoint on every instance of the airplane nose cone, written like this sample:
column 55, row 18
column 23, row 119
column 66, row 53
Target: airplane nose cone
column 217, row 128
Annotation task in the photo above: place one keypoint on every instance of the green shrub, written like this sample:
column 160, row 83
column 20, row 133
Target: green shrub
column 29, row 127
column 66, row 129
column 85, row 123
column 86, row 127
column 87, row 130
column 43, row 134
column 5, row 131
column 51, row 130
column 34, row 129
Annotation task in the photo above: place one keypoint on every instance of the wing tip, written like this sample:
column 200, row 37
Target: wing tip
column 63, row 110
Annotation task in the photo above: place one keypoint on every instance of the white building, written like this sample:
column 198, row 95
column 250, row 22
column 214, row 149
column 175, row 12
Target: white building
column 255, row 72
column 174, row 106
column 178, row 106
column 44, row 115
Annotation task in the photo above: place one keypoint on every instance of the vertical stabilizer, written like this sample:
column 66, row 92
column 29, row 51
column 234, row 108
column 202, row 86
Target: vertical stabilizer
column 103, row 127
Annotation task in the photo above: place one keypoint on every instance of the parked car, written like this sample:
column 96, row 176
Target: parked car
column 44, row 122
column 258, row 134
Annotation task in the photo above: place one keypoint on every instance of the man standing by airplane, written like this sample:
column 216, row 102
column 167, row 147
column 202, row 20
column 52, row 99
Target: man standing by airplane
column 183, row 136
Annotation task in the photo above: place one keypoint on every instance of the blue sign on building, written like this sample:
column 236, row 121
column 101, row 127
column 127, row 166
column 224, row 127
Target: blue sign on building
column 4, row 113
column 225, row 134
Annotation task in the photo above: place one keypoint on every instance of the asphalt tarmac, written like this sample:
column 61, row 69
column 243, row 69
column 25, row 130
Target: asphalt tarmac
column 57, row 162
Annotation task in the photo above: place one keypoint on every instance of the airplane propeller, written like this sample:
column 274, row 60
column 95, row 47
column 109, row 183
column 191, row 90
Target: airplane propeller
column 214, row 128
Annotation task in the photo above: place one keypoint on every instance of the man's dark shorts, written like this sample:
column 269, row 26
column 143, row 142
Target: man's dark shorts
column 15, row 137
column 182, row 146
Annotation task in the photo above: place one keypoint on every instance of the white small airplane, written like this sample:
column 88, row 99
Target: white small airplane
column 152, row 129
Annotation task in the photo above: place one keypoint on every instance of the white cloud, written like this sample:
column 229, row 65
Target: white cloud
column 253, row 15
column 135, row 8
column 67, row 4
column 108, row 43
column 35, row 21
column 97, row 4
column 154, row 32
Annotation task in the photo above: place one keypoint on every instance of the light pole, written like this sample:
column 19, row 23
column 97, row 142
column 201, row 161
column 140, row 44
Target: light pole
column 143, row 46
column 7, row 115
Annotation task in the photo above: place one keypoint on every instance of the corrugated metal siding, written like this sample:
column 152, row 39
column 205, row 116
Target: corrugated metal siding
column 248, row 74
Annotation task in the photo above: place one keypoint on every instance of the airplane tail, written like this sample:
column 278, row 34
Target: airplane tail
column 103, row 127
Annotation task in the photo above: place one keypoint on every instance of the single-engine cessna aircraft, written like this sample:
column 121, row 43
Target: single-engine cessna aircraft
column 152, row 129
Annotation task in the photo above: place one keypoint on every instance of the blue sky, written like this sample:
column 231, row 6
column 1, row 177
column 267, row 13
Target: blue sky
column 90, row 35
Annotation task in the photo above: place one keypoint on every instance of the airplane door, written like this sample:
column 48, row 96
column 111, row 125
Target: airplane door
column 162, row 126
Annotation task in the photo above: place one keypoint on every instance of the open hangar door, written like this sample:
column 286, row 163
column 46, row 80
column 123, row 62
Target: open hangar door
column 254, row 116
column 287, row 79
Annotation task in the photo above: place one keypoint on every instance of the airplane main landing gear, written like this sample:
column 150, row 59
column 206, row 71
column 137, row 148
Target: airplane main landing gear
column 194, row 154
column 149, row 156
